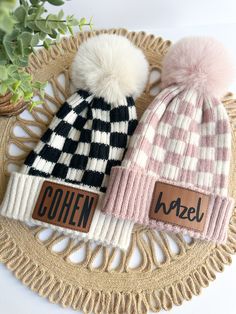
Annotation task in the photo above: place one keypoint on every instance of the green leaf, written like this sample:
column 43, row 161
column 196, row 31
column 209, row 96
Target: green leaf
column 42, row 93
column 83, row 21
column 37, row 85
column 47, row 43
column 34, row 2
column 11, row 69
column 32, row 25
column 23, row 61
column 38, row 102
column 70, row 29
column 15, row 97
column 91, row 23
column 62, row 28
column 3, row 88
column 7, row 44
column 8, row 4
column 26, row 38
column 3, row 57
column 20, row 13
column 6, row 22
column 58, row 38
column 16, row 85
column 43, row 26
column 28, row 96
column 60, row 14
column 42, row 36
column 39, row 11
column 24, row 3
column 34, row 40
column 35, row 103
column 56, row 2
column 3, row 73
column 10, row 81
column 74, row 22
column 24, row 77
column 54, row 34
column 52, row 21
column 20, row 47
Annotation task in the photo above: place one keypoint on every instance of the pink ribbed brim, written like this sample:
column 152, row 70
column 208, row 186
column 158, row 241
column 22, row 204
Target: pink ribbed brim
column 129, row 196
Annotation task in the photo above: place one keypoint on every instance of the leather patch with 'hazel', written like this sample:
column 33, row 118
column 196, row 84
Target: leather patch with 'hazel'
column 65, row 206
column 179, row 206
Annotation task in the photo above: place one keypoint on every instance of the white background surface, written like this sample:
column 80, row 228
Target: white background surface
column 172, row 20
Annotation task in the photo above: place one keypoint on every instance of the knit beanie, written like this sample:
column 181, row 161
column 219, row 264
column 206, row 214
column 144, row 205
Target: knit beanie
column 174, row 176
column 63, row 180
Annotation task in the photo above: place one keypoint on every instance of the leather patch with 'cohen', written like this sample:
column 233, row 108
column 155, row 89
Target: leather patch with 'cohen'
column 179, row 206
column 65, row 206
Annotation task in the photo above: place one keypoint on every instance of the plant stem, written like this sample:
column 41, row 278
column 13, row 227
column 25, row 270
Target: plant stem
column 45, row 20
column 58, row 21
column 51, row 44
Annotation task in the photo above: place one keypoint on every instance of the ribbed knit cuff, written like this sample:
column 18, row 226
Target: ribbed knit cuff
column 21, row 197
column 129, row 196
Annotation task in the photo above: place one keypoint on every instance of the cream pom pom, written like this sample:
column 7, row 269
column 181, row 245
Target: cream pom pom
column 110, row 66
column 199, row 62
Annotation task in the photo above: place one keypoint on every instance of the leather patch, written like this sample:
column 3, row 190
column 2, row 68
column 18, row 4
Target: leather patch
column 179, row 206
column 65, row 206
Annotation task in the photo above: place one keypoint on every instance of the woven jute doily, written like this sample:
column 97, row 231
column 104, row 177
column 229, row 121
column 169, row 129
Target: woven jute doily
column 9, row 109
column 170, row 268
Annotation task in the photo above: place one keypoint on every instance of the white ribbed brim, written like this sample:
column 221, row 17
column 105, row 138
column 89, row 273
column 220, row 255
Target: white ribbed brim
column 21, row 197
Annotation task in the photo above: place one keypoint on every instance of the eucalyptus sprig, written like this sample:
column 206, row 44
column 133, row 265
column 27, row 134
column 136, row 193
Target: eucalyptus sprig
column 22, row 30
column 7, row 21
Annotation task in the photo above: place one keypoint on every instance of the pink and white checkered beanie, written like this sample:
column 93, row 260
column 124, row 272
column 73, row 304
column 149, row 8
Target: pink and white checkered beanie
column 184, row 141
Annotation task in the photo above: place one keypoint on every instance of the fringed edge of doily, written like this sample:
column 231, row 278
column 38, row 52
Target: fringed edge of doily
column 48, row 286
column 71, row 44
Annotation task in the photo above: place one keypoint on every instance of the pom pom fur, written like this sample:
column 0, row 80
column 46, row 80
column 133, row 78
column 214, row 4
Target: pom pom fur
column 199, row 62
column 110, row 66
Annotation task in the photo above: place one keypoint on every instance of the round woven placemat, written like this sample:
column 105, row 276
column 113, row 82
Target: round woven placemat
column 170, row 268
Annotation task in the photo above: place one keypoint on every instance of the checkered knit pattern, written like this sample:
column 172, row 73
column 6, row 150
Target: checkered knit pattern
column 182, row 139
column 85, row 139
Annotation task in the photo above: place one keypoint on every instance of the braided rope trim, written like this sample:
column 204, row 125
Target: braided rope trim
column 47, row 284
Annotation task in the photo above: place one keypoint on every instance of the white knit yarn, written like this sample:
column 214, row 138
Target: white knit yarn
column 21, row 197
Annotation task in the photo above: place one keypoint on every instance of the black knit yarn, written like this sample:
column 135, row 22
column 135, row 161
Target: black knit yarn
column 86, row 137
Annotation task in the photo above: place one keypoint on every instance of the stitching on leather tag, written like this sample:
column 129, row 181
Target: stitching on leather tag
column 65, row 206
column 179, row 206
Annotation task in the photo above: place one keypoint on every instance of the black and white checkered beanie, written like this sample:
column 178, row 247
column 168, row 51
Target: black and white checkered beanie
column 86, row 138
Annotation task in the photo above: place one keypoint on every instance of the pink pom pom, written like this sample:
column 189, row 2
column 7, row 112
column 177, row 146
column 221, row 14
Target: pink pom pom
column 199, row 62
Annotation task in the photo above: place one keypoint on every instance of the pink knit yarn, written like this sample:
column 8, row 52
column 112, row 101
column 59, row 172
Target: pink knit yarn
column 201, row 62
column 183, row 138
